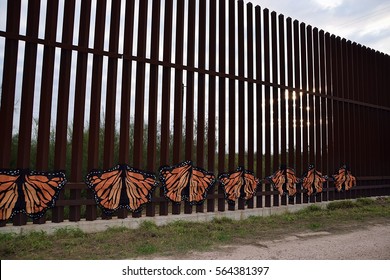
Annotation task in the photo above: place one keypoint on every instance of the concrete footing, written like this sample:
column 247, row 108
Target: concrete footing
column 101, row 225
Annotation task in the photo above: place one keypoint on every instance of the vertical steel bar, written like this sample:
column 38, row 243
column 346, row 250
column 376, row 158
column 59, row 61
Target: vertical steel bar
column 201, row 90
column 179, row 91
column 305, row 159
column 259, row 107
column 283, row 97
column 232, row 90
column 211, row 149
column 79, row 109
column 291, row 115
column 112, row 69
column 124, row 133
column 96, row 91
column 241, row 85
column 251, row 114
column 232, row 86
column 311, row 97
column 298, row 108
column 27, row 102
column 9, row 81
column 153, row 97
column 190, row 89
column 317, row 103
column 267, row 103
column 317, row 100
column 166, row 95
column 28, row 85
column 63, row 98
column 275, row 100
column 241, row 92
column 43, row 144
column 336, row 113
column 222, row 99
column 140, row 86
column 140, row 90
column 190, row 81
column 323, row 121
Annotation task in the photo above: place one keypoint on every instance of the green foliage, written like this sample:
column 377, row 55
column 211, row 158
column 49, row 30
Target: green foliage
column 341, row 205
column 181, row 237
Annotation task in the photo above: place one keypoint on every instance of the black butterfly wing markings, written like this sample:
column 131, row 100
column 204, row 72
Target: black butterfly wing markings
column 278, row 179
column 201, row 181
column 344, row 180
column 313, row 181
column 175, row 181
column 284, row 181
column 121, row 187
column 232, row 183
column 139, row 186
column 28, row 192
column 107, row 187
column 239, row 184
column 8, row 193
column 41, row 190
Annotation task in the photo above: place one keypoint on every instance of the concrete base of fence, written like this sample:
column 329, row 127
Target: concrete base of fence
column 101, row 225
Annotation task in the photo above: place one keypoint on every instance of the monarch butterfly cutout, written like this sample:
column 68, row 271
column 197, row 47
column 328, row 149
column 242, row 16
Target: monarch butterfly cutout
column 344, row 180
column 239, row 184
column 313, row 181
column 284, row 181
column 185, row 182
column 28, row 192
column 121, row 187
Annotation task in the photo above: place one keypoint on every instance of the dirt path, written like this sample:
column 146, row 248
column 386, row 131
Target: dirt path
column 369, row 243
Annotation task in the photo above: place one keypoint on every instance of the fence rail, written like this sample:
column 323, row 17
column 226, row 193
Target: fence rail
column 89, row 84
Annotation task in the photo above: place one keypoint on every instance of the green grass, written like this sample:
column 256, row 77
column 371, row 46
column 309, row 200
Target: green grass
column 181, row 237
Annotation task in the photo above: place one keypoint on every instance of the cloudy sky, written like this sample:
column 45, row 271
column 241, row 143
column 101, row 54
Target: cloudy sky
column 361, row 21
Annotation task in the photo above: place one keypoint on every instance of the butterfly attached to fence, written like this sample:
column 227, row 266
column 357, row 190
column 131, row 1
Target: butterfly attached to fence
column 284, row 181
column 185, row 182
column 313, row 181
column 344, row 180
column 239, row 184
column 28, row 192
column 121, row 187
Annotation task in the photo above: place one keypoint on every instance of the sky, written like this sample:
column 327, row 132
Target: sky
column 361, row 21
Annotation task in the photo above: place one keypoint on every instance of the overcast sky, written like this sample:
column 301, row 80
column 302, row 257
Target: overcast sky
column 361, row 21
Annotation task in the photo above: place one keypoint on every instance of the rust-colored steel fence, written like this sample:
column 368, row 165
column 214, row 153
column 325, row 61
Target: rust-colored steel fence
column 88, row 84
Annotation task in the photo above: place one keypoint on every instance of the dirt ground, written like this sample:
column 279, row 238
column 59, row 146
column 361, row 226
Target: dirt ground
column 369, row 243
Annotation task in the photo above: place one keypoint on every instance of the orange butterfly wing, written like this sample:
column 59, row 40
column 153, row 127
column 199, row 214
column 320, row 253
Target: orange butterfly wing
column 201, row 182
column 313, row 181
column 277, row 180
column 41, row 191
column 107, row 187
column 139, row 187
column 292, row 180
column 344, row 180
column 8, row 194
column 232, row 184
column 239, row 184
column 250, row 185
column 175, row 179
column 284, row 181
column 121, row 187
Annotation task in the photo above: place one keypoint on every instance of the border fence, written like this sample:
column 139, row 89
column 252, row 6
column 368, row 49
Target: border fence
column 88, row 84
